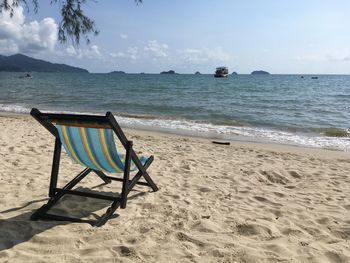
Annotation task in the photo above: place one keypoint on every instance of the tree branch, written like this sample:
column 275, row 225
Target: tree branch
column 74, row 23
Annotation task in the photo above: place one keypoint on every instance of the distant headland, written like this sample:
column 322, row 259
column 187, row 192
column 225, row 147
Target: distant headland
column 260, row 72
column 22, row 63
column 168, row 72
column 117, row 72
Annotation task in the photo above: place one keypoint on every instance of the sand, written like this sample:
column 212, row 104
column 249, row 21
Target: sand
column 240, row 203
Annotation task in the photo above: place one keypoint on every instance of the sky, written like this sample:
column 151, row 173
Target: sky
column 279, row 36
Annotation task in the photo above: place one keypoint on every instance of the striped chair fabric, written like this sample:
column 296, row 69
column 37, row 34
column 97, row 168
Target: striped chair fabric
column 94, row 148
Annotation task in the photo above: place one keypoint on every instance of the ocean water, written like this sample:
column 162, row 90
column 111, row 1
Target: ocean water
column 283, row 109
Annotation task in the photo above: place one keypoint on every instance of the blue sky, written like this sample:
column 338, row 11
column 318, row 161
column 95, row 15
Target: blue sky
column 192, row 35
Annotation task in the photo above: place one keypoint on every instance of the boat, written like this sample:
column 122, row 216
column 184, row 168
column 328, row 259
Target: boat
column 221, row 72
column 27, row 76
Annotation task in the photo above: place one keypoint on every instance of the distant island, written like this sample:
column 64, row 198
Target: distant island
column 117, row 72
column 197, row 73
column 168, row 72
column 260, row 72
column 234, row 73
column 22, row 63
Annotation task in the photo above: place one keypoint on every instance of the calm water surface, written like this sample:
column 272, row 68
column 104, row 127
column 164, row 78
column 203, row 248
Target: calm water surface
column 276, row 108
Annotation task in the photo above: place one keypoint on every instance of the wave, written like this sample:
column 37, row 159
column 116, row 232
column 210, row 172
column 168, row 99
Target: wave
column 329, row 138
column 333, row 132
column 15, row 108
column 239, row 133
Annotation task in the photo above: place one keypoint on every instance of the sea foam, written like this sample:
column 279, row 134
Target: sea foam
column 238, row 133
column 208, row 130
column 15, row 108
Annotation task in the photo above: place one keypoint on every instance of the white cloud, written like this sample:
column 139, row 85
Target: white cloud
column 161, row 56
column 71, row 51
column 330, row 56
column 124, row 36
column 315, row 58
column 10, row 27
column 39, row 35
column 155, row 49
column 132, row 53
column 91, row 52
column 18, row 36
column 8, row 47
column 204, row 55
column 338, row 58
column 94, row 49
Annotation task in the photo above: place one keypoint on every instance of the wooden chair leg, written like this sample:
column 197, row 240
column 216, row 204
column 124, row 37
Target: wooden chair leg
column 103, row 176
column 109, row 213
column 55, row 167
column 146, row 175
column 127, row 163
column 140, row 173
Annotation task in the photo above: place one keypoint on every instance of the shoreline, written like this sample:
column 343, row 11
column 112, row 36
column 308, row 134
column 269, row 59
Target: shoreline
column 265, row 145
column 243, row 133
column 191, row 128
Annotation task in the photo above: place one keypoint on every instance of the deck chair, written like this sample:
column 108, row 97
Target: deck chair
column 88, row 140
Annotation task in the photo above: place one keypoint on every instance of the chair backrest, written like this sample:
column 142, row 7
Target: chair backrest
column 91, row 147
column 87, row 139
column 79, row 120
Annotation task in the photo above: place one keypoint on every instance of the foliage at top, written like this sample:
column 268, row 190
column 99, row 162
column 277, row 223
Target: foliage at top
column 74, row 24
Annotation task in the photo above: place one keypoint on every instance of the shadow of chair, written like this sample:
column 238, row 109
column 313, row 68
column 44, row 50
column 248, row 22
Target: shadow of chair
column 20, row 228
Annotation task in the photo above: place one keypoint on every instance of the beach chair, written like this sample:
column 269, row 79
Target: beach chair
column 88, row 140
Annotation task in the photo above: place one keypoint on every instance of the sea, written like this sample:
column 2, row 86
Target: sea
column 298, row 110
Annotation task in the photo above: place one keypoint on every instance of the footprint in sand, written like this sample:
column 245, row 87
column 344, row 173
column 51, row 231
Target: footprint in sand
column 295, row 174
column 143, row 229
column 261, row 199
column 204, row 189
column 292, row 232
column 252, row 230
column 335, row 257
column 265, row 200
column 323, row 220
column 187, row 167
column 125, row 251
column 347, row 207
column 185, row 238
column 15, row 163
column 290, row 186
column 278, row 194
column 275, row 177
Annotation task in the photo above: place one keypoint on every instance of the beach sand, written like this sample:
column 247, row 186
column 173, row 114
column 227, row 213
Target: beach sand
column 240, row 203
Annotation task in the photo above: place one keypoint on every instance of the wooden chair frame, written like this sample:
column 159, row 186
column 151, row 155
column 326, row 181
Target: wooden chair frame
column 56, row 193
